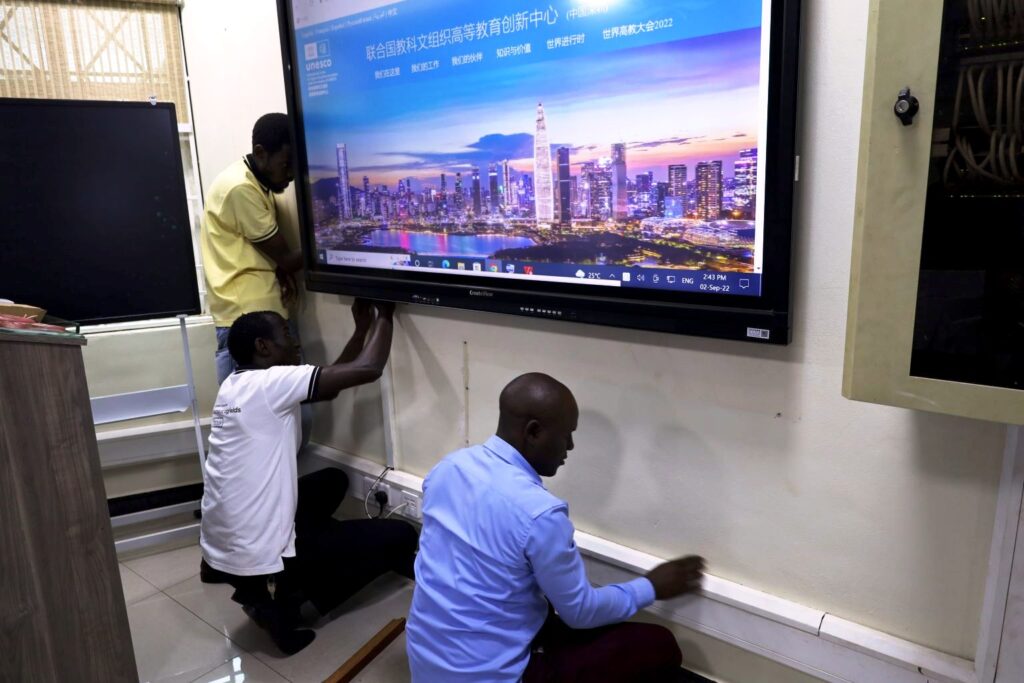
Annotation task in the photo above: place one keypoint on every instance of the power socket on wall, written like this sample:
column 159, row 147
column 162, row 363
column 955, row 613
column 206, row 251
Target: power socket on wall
column 411, row 502
column 370, row 488
column 403, row 502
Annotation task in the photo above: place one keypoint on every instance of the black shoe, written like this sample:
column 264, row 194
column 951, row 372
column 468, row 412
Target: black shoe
column 288, row 640
column 208, row 574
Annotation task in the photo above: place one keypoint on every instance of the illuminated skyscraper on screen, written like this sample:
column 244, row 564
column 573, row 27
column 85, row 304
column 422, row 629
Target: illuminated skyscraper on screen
column 543, row 184
column 506, row 185
column 459, row 198
column 745, row 172
column 709, row 190
column 492, row 188
column 564, row 188
column 344, row 191
column 677, row 180
column 476, row 192
column 442, row 199
column 620, row 203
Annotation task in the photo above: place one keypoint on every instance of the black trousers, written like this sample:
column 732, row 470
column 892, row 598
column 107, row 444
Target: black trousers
column 333, row 558
column 619, row 653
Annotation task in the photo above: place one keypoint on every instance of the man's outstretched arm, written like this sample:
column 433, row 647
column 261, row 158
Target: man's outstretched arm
column 560, row 573
column 367, row 366
column 362, row 315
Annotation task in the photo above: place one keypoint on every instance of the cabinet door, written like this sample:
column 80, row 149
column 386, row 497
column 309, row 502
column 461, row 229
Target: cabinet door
column 936, row 314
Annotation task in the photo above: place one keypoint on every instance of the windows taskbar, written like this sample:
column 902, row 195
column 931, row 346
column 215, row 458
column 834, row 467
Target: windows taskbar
column 635, row 276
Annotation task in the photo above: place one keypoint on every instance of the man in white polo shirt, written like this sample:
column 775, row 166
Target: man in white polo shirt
column 265, row 531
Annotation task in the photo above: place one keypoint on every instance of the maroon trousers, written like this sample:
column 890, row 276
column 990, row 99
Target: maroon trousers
column 619, row 653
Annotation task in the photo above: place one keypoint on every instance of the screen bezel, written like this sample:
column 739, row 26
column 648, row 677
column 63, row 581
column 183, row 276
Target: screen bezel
column 763, row 319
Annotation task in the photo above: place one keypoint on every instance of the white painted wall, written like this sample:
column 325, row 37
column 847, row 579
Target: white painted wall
column 746, row 454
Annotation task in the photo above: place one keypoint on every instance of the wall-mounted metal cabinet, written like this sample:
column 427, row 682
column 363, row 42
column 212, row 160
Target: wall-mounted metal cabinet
column 936, row 315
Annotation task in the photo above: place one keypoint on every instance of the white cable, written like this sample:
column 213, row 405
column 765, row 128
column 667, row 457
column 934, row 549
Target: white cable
column 976, row 105
column 999, row 17
column 989, row 162
column 967, row 154
column 972, row 165
column 396, row 509
column 1001, row 167
column 957, row 99
column 972, row 14
column 1009, row 95
column 982, row 108
column 954, row 149
column 366, row 499
column 986, row 16
column 950, row 165
column 1013, row 159
column 999, row 97
column 1018, row 107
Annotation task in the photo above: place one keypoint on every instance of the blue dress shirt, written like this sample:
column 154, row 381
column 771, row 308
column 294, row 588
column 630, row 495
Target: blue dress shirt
column 494, row 544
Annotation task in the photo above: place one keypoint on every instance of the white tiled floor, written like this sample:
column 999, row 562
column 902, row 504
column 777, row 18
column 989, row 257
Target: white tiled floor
column 185, row 631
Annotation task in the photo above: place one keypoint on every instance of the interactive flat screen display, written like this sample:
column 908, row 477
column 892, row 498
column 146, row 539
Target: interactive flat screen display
column 607, row 144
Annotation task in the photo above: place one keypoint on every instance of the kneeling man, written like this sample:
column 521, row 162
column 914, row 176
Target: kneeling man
column 501, row 591
column 265, row 531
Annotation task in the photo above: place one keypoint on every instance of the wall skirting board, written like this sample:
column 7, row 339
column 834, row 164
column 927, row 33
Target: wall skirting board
column 794, row 635
column 800, row 637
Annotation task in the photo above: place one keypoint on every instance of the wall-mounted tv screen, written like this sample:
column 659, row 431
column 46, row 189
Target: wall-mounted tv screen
column 621, row 162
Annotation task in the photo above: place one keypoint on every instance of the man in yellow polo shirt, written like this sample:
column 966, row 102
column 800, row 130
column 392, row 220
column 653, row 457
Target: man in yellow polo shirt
column 248, row 264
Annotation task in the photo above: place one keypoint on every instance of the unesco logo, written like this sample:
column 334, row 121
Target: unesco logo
column 317, row 50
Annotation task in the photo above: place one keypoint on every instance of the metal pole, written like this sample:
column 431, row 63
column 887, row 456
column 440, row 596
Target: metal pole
column 192, row 391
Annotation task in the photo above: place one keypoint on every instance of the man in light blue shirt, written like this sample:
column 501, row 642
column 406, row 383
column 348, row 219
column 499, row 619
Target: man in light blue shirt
column 501, row 592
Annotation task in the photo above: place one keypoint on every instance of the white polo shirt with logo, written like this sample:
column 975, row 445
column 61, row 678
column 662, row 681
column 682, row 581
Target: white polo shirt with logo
column 250, row 477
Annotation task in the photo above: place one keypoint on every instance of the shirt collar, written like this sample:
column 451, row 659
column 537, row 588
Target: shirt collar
column 248, row 164
column 509, row 454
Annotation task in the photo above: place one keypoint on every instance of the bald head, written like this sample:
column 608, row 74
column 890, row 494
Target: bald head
column 538, row 417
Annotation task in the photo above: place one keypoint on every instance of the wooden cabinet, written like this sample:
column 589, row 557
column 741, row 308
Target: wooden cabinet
column 936, row 314
column 62, row 610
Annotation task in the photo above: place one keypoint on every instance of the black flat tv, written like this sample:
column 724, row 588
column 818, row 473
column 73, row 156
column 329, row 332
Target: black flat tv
column 95, row 224
column 619, row 162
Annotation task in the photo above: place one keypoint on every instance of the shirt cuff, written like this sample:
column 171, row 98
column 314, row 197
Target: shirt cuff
column 642, row 591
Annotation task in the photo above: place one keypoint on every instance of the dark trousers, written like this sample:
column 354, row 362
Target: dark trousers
column 619, row 653
column 333, row 558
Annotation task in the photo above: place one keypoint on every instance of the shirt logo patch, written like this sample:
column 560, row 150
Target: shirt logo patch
column 220, row 413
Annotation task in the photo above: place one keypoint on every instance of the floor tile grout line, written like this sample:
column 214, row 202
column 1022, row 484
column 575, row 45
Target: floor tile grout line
column 271, row 667
column 139, row 576
column 229, row 638
column 204, row 623
column 210, row 626
column 124, row 563
column 179, row 583
column 143, row 580
column 164, row 592
column 214, row 668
